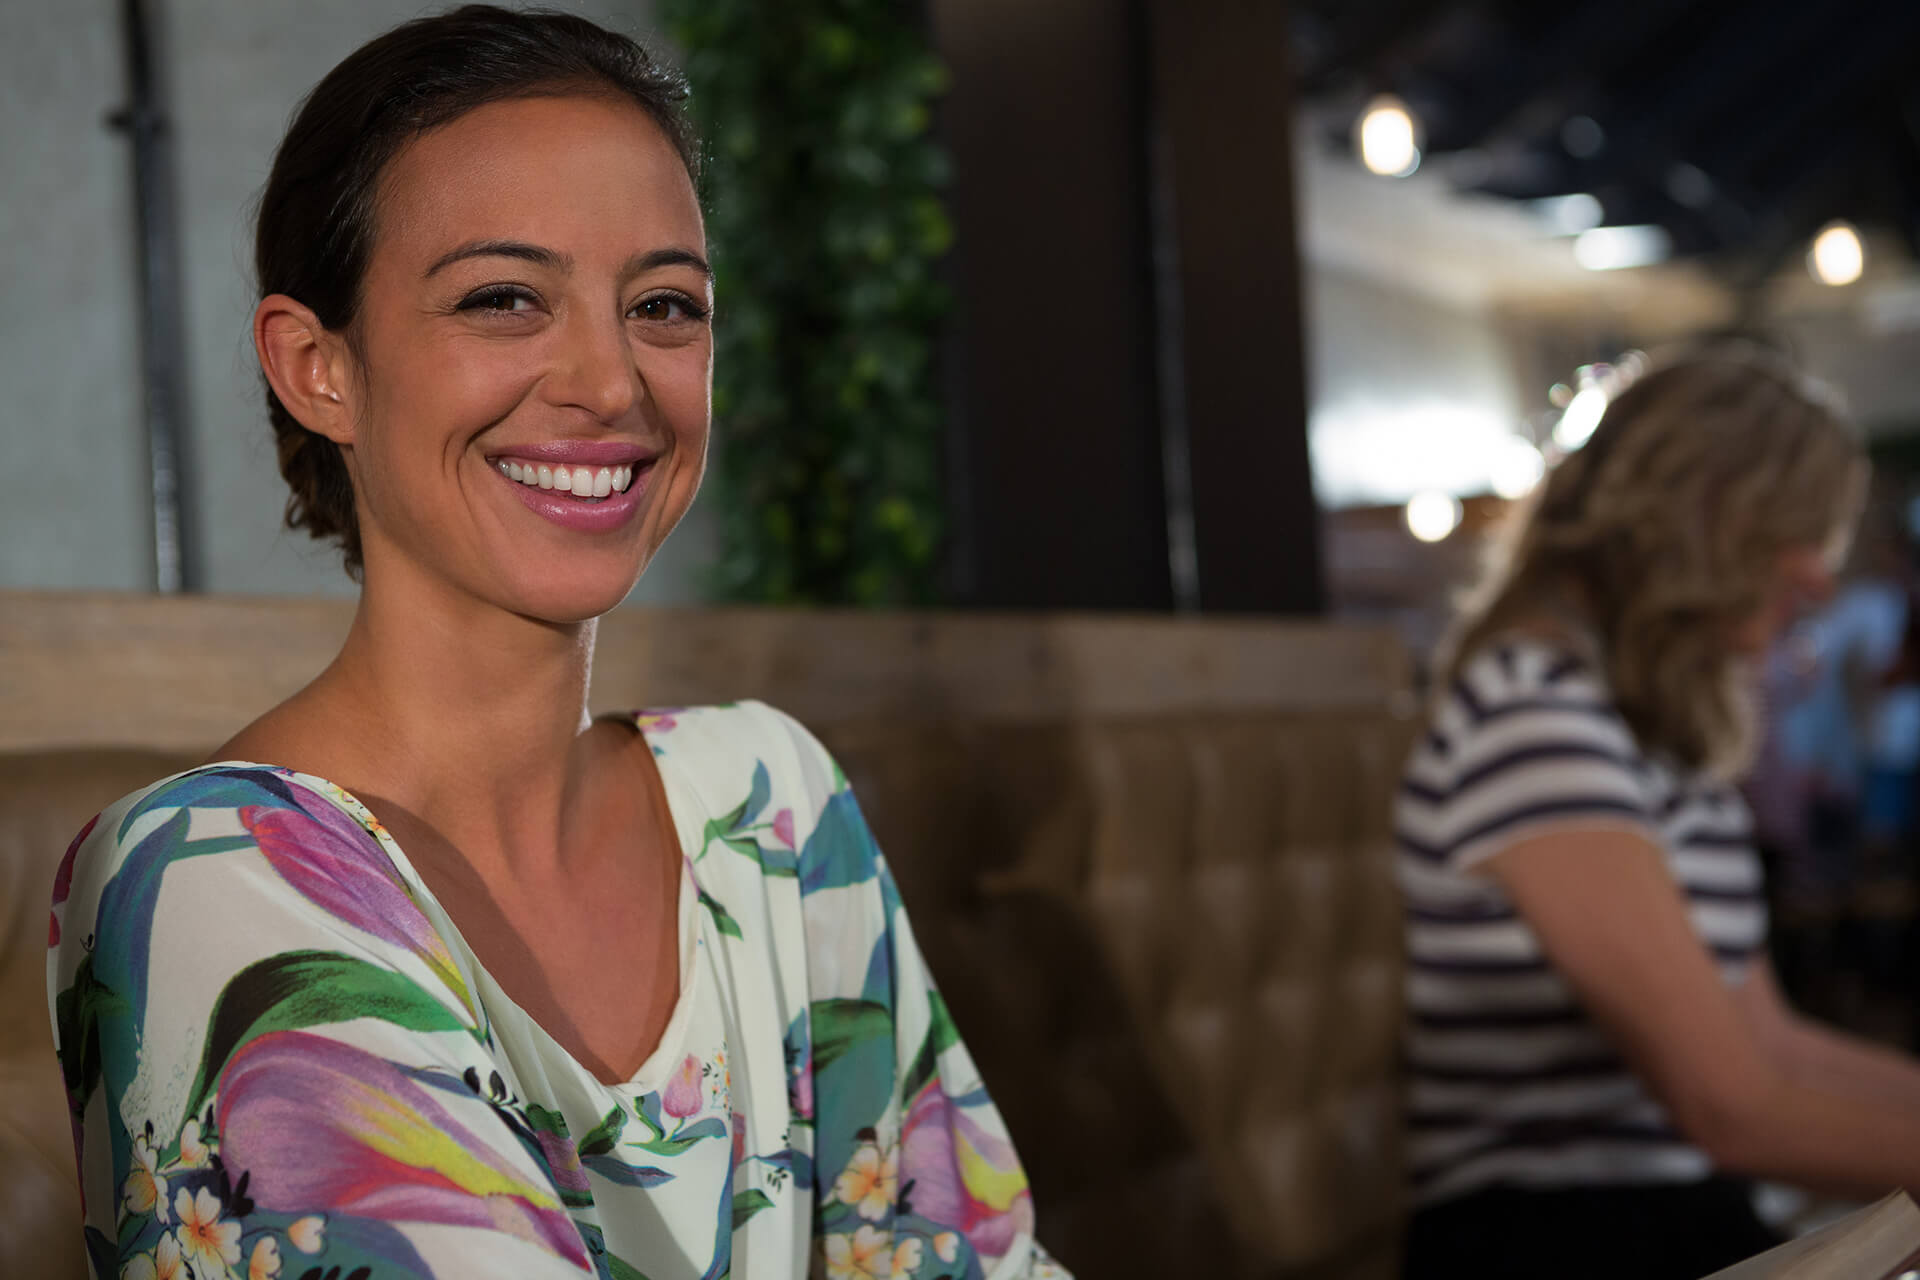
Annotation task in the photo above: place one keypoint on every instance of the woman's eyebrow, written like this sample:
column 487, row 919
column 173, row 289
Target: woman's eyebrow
column 501, row 249
column 653, row 259
column 669, row 257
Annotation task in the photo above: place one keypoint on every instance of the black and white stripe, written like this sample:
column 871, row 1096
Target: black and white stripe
column 1510, row 1081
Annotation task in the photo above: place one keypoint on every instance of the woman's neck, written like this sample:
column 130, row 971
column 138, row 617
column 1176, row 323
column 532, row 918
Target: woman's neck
column 464, row 716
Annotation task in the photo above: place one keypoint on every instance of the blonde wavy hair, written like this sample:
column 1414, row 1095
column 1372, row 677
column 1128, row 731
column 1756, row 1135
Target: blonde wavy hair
column 1653, row 542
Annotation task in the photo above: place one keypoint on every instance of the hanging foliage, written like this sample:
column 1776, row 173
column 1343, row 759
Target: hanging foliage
column 826, row 228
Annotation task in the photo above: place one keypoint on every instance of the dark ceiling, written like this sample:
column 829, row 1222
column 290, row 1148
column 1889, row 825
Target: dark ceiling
column 1740, row 126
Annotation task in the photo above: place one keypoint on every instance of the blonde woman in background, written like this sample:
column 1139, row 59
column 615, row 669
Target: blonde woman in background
column 1599, row 1054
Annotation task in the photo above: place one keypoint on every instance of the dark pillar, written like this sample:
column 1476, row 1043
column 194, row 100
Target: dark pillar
column 1127, row 338
column 1223, row 99
column 1057, row 492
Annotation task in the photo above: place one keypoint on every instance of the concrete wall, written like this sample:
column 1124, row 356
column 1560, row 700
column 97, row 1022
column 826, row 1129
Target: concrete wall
column 73, row 503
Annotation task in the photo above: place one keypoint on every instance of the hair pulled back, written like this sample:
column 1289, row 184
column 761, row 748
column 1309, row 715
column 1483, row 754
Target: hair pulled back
column 314, row 231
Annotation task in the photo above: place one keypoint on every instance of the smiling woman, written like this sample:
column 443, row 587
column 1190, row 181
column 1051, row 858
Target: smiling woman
column 430, row 972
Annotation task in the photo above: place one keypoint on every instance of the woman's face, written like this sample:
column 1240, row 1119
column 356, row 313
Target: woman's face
column 535, row 308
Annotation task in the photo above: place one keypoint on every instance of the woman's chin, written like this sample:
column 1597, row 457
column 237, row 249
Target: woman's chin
column 566, row 602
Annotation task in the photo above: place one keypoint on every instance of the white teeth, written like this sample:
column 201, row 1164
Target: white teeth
column 582, row 482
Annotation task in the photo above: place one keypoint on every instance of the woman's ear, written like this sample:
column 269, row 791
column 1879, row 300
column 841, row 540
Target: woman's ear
column 306, row 364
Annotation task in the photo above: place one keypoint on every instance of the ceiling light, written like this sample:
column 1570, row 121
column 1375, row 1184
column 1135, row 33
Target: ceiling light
column 1582, row 415
column 1388, row 138
column 1837, row 256
column 1433, row 515
column 1517, row 468
column 1612, row 248
column 1570, row 215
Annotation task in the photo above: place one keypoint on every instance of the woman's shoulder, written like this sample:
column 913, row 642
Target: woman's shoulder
column 725, row 739
column 216, row 811
column 1518, row 690
column 765, row 780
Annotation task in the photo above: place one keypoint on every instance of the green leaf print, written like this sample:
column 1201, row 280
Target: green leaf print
column 843, row 1025
column 601, row 1137
column 734, row 829
column 77, row 1012
column 721, row 916
column 941, row 1036
column 619, row 1269
column 304, row 989
column 542, row 1120
column 747, row 1203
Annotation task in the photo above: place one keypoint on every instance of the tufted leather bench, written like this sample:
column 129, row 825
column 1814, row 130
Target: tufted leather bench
column 1148, row 860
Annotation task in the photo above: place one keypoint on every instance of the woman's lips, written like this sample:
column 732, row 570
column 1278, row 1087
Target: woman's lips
column 569, row 510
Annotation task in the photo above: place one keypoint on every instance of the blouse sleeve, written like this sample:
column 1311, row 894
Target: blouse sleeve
column 274, row 1065
column 914, row 1172
column 1522, row 761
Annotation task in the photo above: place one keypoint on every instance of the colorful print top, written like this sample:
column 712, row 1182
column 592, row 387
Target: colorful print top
column 283, row 1060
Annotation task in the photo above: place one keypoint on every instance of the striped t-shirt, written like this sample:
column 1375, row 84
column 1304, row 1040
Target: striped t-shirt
column 1510, row 1081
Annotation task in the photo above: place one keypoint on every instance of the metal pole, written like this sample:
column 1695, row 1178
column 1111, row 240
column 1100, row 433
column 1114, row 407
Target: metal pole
column 175, row 563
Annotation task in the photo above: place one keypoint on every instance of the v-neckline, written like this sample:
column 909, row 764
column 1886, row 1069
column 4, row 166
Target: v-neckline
column 685, row 812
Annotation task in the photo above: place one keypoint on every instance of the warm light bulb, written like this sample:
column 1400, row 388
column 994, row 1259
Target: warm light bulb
column 1516, row 469
column 1837, row 256
column 1582, row 415
column 1389, row 138
column 1432, row 515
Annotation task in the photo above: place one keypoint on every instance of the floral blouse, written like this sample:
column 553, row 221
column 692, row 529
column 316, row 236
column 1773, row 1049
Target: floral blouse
column 283, row 1060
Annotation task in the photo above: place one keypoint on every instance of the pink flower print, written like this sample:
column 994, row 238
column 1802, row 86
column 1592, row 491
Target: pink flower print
column 683, row 1094
column 657, row 720
column 162, row 1264
column 308, row 1234
column 63, row 881
column 208, row 1244
column 870, row 1182
column 802, row 1091
column 334, row 864
column 864, row 1255
column 563, row 1161
column 145, row 1190
column 320, row 1124
column 264, row 1264
column 783, row 827
column 963, row 1174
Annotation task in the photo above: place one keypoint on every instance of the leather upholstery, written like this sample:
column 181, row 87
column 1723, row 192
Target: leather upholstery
column 1170, row 937
column 1173, row 945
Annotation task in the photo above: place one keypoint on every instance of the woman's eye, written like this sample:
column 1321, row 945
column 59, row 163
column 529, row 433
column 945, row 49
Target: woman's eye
column 498, row 300
column 666, row 308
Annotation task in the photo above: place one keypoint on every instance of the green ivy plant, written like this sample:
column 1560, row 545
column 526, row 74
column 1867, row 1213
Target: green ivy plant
column 826, row 229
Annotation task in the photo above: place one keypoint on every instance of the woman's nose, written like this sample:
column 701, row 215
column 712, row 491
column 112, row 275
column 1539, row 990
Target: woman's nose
column 596, row 370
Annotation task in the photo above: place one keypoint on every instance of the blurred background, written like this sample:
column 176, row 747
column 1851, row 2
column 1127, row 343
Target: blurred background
column 1147, row 306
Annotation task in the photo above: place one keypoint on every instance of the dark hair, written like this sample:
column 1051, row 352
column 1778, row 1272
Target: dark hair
column 314, row 231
